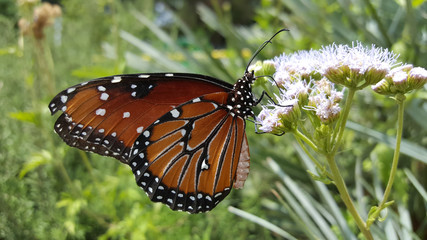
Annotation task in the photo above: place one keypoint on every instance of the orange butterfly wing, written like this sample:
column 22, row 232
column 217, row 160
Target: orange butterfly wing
column 106, row 115
column 188, row 158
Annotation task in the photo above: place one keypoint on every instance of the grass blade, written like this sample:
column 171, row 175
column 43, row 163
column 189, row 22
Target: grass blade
column 408, row 148
column 261, row 222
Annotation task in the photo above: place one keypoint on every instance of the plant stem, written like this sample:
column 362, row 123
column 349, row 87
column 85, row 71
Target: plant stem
column 318, row 165
column 342, row 189
column 343, row 121
column 301, row 136
column 400, row 99
column 396, row 150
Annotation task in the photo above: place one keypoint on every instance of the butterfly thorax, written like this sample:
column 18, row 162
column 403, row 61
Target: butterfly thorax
column 241, row 99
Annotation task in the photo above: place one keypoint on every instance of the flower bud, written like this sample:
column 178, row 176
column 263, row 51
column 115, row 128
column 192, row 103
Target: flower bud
column 402, row 80
column 417, row 78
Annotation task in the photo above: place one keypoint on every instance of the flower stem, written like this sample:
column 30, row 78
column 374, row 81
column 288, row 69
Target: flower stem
column 343, row 121
column 396, row 151
column 400, row 98
column 342, row 189
column 301, row 136
column 318, row 165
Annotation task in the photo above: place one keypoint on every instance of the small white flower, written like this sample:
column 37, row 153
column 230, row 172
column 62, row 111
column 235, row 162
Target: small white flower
column 268, row 120
column 326, row 108
column 418, row 72
column 282, row 78
column 417, row 77
column 400, row 77
column 324, row 100
column 358, row 58
column 301, row 63
column 401, row 80
column 356, row 66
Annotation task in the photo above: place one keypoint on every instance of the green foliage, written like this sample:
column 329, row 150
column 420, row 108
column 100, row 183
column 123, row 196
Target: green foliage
column 51, row 191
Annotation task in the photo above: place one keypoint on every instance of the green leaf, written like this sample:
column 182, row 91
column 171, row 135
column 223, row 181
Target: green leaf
column 409, row 148
column 96, row 71
column 10, row 51
column 30, row 117
column 375, row 211
column 372, row 216
column 417, row 3
column 36, row 160
column 416, row 184
column 270, row 226
column 322, row 178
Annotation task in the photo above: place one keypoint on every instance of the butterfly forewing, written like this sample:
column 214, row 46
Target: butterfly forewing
column 106, row 115
column 189, row 157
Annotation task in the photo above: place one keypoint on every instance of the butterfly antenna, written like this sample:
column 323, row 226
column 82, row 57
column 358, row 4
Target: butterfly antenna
column 263, row 46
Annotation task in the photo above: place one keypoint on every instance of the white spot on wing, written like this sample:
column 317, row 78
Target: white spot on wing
column 100, row 112
column 139, row 130
column 126, row 114
column 196, row 100
column 70, row 90
column 116, row 79
column 204, row 165
column 146, row 133
column 169, row 75
column 144, row 76
column 104, row 96
column 175, row 113
column 64, row 99
column 101, row 88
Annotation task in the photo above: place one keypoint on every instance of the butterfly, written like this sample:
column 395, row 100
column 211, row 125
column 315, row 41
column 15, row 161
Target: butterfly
column 182, row 134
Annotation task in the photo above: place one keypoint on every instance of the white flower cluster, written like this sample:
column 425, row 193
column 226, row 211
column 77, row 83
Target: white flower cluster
column 307, row 81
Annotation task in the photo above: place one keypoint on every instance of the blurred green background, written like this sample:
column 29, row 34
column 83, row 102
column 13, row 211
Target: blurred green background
column 51, row 191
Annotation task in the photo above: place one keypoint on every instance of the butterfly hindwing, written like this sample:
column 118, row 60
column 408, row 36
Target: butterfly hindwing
column 189, row 157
